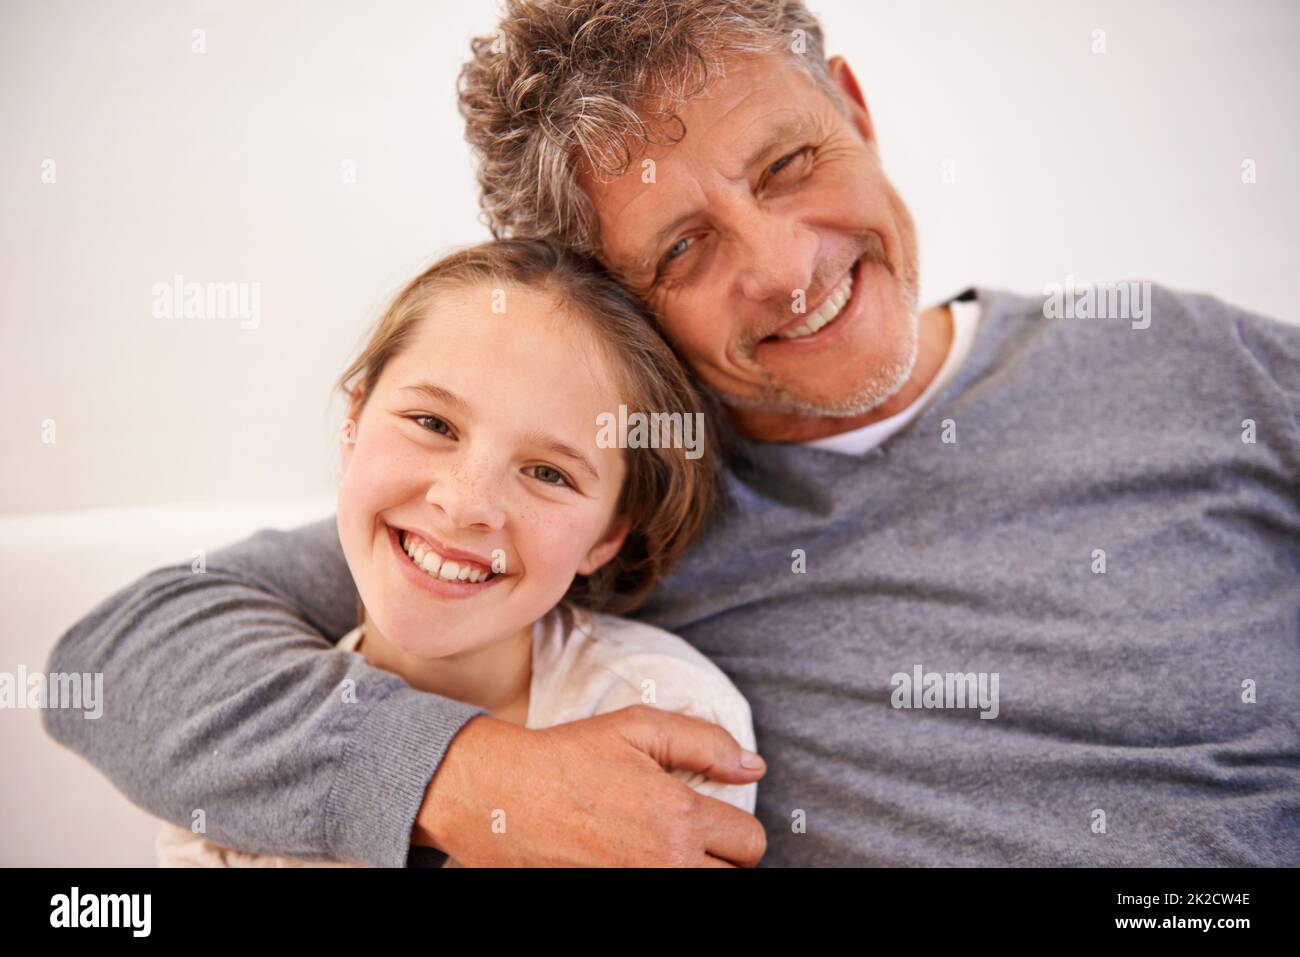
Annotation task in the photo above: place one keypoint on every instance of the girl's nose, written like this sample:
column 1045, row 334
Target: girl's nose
column 468, row 496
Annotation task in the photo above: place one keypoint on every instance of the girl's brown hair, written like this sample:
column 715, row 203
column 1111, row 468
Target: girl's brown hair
column 666, row 497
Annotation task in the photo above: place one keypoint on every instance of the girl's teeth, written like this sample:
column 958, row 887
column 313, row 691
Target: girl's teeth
column 448, row 570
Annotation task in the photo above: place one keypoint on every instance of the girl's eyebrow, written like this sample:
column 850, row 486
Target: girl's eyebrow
column 552, row 444
column 549, row 442
column 438, row 394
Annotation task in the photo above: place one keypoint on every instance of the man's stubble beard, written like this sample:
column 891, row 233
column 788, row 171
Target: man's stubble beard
column 885, row 380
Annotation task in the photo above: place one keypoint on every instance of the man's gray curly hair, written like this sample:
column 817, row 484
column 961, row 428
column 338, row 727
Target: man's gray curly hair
column 570, row 82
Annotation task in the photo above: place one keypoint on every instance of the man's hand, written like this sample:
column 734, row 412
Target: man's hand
column 590, row 793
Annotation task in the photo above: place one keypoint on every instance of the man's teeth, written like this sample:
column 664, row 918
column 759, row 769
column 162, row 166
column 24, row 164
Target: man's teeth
column 828, row 310
column 440, row 567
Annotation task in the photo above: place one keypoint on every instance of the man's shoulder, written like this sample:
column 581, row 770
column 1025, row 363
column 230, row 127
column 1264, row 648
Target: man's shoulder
column 1136, row 325
column 1134, row 303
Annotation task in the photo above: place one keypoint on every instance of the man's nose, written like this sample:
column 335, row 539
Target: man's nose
column 469, row 494
column 776, row 257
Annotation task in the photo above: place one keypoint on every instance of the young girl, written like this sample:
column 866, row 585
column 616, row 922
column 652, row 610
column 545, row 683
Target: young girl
column 492, row 529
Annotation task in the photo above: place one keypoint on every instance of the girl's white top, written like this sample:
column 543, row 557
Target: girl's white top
column 602, row 664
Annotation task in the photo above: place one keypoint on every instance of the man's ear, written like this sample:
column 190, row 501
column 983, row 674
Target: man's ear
column 606, row 548
column 844, row 80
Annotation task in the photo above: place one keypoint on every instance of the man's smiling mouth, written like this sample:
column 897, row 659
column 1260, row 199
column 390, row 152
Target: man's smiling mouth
column 826, row 313
column 836, row 303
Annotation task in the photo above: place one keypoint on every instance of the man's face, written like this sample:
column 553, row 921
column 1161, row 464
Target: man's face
column 751, row 231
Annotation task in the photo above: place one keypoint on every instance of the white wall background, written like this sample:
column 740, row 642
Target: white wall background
column 224, row 166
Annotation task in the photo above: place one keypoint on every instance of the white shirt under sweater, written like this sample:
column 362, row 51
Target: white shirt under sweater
column 965, row 317
column 602, row 664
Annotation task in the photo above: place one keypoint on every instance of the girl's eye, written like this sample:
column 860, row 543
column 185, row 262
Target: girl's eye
column 545, row 470
column 545, row 473
column 421, row 419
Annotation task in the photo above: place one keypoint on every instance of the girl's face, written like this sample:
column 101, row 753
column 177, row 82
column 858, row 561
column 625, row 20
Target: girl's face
column 477, row 449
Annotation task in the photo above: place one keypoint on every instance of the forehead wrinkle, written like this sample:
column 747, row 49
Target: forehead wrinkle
column 795, row 123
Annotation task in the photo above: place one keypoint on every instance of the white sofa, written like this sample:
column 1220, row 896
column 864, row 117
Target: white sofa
column 55, row 808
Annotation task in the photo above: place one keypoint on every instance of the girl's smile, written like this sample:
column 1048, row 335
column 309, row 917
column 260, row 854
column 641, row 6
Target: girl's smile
column 423, row 577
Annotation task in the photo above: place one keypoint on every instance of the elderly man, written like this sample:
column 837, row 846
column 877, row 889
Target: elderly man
column 1001, row 586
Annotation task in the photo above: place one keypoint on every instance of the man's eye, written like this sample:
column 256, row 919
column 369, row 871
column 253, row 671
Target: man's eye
column 676, row 249
column 544, row 470
column 784, row 161
column 421, row 419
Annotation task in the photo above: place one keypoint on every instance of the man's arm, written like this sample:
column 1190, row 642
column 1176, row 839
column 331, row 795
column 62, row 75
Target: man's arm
column 222, row 694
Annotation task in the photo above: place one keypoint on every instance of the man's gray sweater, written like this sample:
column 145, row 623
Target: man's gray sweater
column 1053, row 621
